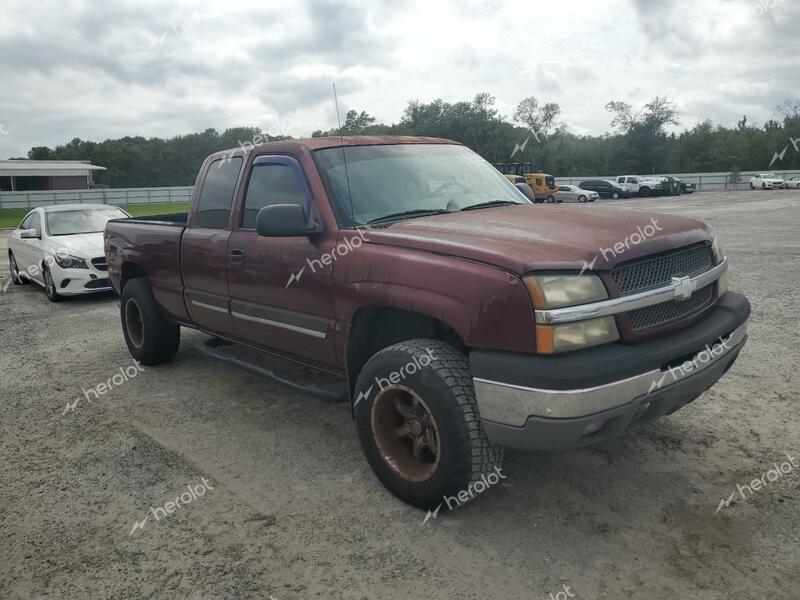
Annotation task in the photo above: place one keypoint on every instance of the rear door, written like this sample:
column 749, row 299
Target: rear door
column 204, row 247
column 281, row 287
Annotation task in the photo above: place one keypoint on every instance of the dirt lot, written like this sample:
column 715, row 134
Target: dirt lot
column 290, row 508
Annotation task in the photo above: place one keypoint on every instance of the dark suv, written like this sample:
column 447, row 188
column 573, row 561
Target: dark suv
column 606, row 189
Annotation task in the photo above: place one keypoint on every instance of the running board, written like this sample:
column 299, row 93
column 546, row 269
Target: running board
column 333, row 393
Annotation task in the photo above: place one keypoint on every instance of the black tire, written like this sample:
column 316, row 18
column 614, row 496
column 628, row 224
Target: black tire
column 151, row 338
column 763, row 186
column 16, row 278
column 444, row 384
column 581, row 198
column 551, row 199
column 752, row 187
column 644, row 192
column 50, row 286
column 615, row 196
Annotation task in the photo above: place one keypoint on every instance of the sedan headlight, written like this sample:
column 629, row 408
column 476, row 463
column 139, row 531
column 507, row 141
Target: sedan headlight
column 558, row 291
column 67, row 261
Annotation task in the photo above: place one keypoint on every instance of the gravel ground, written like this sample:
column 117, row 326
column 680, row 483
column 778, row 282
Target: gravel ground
column 290, row 509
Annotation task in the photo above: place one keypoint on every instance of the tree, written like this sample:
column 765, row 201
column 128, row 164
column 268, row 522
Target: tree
column 539, row 119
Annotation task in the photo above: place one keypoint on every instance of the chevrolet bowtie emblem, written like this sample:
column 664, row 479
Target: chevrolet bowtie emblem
column 684, row 287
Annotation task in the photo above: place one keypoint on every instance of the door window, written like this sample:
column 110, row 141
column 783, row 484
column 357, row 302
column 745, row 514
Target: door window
column 35, row 223
column 26, row 222
column 272, row 183
column 216, row 195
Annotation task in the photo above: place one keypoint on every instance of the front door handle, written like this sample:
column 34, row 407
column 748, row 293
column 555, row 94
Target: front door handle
column 237, row 256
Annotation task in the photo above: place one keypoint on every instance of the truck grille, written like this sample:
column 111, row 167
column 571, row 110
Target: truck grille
column 100, row 263
column 666, row 312
column 658, row 271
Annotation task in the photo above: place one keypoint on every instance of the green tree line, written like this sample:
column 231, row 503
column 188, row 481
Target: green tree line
column 638, row 141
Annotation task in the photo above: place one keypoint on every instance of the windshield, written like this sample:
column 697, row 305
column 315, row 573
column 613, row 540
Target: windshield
column 391, row 179
column 89, row 220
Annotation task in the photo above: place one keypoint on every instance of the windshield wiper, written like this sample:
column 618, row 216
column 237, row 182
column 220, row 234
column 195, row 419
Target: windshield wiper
column 489, row 204
column 419, row 212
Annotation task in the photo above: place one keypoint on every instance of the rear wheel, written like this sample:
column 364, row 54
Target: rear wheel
column 422, row 435
column 151, row 338
column 763, row 186
column 14, row 269
column 50, row 286
column 752, row 187
column 551, row 199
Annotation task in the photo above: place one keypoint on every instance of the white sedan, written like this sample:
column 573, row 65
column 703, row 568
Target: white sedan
column 794, row 182
column 572, row 193
column 766, row 181
column 61, row 249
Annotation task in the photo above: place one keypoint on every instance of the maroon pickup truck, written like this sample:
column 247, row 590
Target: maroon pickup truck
column 463, row 317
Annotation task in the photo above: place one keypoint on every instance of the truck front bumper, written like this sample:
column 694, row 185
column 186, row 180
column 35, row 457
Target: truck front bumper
column 534, row 402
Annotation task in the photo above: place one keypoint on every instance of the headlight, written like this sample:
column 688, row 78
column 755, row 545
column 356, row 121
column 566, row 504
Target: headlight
column 716, row 248
column 557, row 291
column 67, row 261
column 575, row 336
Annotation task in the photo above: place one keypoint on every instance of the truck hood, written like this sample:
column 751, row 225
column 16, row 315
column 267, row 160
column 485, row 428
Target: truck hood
column 533, row 237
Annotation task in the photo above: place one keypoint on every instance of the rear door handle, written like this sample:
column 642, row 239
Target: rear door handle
column 237, row 256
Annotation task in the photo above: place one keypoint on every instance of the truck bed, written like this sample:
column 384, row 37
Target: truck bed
column 154, row 244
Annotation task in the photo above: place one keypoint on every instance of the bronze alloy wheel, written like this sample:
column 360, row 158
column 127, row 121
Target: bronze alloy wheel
column 133, row 323
column 406, row 433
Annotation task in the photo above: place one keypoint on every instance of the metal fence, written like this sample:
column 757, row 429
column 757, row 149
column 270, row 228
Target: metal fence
column 121, row 196
column 708, row 182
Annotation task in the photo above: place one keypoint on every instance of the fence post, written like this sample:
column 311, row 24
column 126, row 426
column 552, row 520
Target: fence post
column 149, row 199
column 105, row 200
column 126, row 196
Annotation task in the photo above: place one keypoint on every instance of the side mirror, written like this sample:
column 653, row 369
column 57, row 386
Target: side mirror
column 284, row 220
column 29, row 234
column 526, row 190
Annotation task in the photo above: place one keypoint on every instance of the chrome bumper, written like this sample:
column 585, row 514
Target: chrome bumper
column 513, row 405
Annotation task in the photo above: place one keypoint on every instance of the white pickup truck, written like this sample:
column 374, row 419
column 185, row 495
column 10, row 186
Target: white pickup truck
column 638, row 185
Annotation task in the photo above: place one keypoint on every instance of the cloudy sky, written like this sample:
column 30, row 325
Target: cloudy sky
column 105, row 69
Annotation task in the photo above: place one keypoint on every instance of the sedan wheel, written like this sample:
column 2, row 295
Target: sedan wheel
column 551, row 199
column 752, row 187
column 50, row 287
column 581, row 198
column 12, row 265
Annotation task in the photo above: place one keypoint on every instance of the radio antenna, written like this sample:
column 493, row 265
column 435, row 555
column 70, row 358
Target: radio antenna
column 344, row 155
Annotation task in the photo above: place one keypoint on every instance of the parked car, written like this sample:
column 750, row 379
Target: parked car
column 462, row 317
column 767, row 181
column 687, row 188
column 794, row 182
column 639, row 186
column 572, row 193
column 605, row 189
column 61, row 249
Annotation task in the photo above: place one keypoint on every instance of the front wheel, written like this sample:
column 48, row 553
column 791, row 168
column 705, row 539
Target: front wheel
column 615, row 196
column 419, row 426
column 645, row 192
column 151, row 338
column 50, row 286
column 581, row 198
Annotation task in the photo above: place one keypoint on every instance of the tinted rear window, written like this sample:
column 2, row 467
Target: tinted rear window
column 216, row 196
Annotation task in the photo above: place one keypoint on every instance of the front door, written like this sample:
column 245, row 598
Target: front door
column 281, row 287
column 204, row 248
